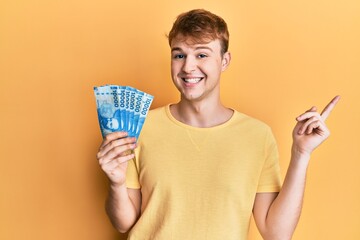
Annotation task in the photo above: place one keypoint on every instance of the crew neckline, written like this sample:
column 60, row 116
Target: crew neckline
column 181, row 124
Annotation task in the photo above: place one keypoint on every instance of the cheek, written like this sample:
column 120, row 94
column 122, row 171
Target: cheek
column 173, row 72
column 175, row 68
column 210, row 67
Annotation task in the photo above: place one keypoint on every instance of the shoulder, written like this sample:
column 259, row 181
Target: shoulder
column 247, row 121
column 155, row 118
column 156, row 114
column 158, row 110
column 155, row 125
column 253, row 129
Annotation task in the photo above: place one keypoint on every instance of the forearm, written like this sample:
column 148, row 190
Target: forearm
column 280, row 215
column 120, row 209
column 285, row 211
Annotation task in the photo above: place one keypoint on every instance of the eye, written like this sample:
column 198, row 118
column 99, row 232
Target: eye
column 202, row 55
column 179, row 56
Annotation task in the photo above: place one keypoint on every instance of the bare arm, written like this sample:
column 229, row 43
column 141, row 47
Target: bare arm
column 277, row 215
column 122, row 204
column 123, row 207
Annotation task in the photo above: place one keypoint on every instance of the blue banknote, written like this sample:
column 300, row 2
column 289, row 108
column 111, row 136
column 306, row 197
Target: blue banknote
column 138, row 101
column 127, row 107
column 121, row 108
column 144, row 109
column 131, row 110
column 122, row 99
column 108, row 109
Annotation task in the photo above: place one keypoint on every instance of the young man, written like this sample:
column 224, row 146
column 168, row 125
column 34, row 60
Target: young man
column 201, row 169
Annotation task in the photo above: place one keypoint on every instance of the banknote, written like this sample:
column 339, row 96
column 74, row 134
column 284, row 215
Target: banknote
column 138, row 102
column 144, row 109
column 131, row 109
column 121, row 108
column 122, row 99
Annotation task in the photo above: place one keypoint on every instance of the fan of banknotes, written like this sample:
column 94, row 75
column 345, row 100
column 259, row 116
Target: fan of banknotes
column 121, row 108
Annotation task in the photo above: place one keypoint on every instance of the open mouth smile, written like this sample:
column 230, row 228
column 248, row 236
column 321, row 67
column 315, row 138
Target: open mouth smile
column 192, row 80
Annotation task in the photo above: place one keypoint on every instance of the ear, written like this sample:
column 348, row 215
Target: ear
column 225, row 61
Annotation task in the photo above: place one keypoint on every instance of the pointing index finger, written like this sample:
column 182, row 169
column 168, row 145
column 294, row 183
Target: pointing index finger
column 327, row 110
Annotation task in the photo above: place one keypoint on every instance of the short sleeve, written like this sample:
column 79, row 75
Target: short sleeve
column 270, row 175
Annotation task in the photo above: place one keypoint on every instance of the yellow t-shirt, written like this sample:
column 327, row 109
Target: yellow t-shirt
column 200, row 183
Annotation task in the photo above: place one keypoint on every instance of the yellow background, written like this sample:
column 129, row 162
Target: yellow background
column 287, row 56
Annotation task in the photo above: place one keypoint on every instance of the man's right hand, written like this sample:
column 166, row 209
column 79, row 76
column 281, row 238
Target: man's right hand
column 114, row 154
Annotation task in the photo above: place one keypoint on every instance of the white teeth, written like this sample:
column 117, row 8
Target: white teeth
column 192, row 80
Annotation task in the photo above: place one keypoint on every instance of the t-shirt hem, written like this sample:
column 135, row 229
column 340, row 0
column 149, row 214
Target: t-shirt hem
column 268, row 189
column 132, row 185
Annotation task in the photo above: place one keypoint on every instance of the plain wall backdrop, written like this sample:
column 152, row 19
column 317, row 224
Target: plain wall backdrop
column 286, row 57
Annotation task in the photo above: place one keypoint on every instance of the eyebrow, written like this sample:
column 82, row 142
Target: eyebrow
column 197, row 48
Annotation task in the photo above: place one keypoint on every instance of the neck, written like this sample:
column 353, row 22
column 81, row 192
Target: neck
column 201, row 114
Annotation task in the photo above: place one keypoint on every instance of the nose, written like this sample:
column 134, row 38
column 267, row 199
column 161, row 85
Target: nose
column 189, row 64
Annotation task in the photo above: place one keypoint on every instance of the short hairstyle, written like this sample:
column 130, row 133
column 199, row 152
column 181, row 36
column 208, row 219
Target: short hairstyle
column 201, row 26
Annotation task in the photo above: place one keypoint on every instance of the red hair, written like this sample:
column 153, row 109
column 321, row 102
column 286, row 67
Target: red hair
column 201, row 26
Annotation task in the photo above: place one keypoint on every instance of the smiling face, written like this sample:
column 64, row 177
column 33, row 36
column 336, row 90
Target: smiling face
column 196, row 68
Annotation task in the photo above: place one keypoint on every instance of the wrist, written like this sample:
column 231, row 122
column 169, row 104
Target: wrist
column 299, row 152
column 299, row 156
column 117, row 186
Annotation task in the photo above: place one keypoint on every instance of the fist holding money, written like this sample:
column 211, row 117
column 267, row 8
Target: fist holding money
column 121, row 112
